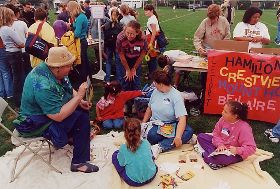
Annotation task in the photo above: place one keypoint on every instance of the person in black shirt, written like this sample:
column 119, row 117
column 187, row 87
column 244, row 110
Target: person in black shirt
column 87, row 9
column 27, row 14
column 64, row 14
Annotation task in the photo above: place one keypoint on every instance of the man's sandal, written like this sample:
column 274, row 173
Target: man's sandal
column 89, row 167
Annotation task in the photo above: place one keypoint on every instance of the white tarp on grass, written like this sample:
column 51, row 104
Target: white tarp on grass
column 37, row 175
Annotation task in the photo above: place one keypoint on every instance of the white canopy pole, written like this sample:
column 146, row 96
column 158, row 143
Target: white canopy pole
column 101, row 74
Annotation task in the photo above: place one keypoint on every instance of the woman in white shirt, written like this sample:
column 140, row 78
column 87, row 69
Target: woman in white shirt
column 13, row 45
column 20, row 27
column 124, row 9
column 251, row 29
column 151, row 32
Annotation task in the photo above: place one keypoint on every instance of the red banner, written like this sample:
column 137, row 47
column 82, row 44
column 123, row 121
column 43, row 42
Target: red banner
column 250, row 78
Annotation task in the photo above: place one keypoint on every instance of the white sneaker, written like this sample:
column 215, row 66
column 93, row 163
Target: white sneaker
column 156, row 149
column 268, row 132
column 276, row 43
column 271, row 137
column 274, row 139
column 199, row 149
column 193, row 140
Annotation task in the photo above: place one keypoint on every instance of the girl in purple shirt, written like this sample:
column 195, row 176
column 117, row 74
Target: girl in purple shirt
column 232, row 134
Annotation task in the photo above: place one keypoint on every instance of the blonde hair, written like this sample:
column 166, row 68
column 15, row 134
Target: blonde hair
column 114, row 16
column 74, row 9
column 6, row 16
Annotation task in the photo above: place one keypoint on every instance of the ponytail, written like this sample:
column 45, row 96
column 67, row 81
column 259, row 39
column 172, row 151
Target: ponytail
column 133, row 13
column 239, row 109
column 151, row 8
column 132, row 133
column 112, row 88
column 155, row 13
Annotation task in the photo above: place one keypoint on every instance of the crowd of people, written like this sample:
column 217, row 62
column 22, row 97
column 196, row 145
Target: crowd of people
column 52, row 104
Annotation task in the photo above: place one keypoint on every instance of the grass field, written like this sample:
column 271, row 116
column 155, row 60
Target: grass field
column 179, row 26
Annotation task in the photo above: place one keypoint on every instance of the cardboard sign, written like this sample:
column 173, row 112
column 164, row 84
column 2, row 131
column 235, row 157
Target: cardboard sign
column 97, row 11
column 249, row 78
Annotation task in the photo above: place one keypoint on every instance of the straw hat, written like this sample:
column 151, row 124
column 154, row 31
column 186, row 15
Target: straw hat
column 59, row 56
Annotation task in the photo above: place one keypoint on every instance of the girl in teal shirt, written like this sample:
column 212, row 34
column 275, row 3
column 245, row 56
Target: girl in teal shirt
column 134, row 160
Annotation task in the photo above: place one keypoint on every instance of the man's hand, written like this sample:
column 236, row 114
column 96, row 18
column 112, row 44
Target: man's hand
column 82, row 90
column 85, row 105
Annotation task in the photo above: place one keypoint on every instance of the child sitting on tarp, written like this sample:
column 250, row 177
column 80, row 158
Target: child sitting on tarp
column 166, row 60
column 232, row 139
column 134, row 160
column 110, row 108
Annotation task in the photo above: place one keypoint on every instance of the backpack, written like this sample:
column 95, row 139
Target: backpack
column 73, row 45
column 111, row 33
column 161, row 39
column 37, row 46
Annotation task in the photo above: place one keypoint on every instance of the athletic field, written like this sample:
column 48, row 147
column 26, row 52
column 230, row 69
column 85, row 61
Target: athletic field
column 179, row 26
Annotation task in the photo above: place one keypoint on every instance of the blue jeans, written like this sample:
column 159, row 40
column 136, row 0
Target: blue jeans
column 277, row 40
column 15, row 60
column 113, row 123
column 136, row 83
column 120, row 72
column 6, row 77
column 152, row 64
column 77, row 126
column 110, row 52
column 166, row 143
column 26, row 65
column 276, row 130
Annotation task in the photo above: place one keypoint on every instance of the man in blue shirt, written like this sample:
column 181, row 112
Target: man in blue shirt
column 51, row 108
